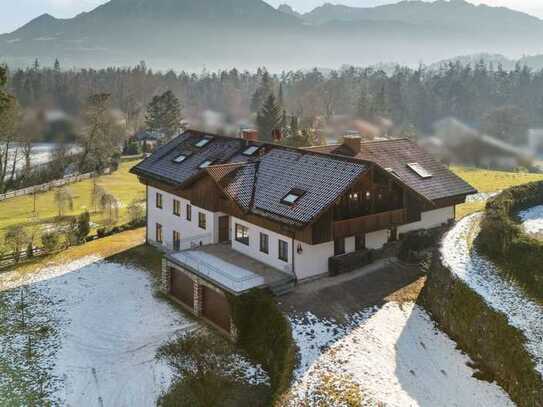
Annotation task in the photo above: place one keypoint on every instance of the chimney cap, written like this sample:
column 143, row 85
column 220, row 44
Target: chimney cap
column 353, row 142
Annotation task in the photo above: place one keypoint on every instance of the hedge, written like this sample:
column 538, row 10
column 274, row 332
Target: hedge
column 484, row 333
column 265, row 334
column 503, row 240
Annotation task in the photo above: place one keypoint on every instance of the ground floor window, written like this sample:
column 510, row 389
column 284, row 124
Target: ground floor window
column 158, row 233
column 283, row 250
column 264, row 243
column 360, row 242
column 242, row 234
column 202, row 221
column 176, row 240
column 339, row 247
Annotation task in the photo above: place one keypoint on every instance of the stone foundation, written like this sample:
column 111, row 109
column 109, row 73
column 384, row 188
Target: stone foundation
column 166, row 280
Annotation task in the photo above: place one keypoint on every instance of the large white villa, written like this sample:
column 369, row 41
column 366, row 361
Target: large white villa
column 232, row 215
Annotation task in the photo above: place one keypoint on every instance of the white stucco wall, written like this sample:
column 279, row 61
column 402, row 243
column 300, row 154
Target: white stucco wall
column 313, row 260
column 376, row 240
column 171, row 222
column 253, row 250
column 429, row 220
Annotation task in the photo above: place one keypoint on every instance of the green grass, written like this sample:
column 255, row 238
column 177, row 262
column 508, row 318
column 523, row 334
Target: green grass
column 123, row 185
column 489, row 181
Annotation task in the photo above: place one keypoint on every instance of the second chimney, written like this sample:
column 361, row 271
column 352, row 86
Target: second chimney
column 353, row 142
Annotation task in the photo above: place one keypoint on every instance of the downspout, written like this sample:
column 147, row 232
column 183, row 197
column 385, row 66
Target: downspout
column 147, row 214
column 294, row 260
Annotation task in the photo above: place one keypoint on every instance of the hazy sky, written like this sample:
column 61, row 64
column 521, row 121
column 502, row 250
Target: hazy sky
column 17, row 12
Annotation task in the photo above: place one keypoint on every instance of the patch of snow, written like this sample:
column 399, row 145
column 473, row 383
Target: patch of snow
column 532, row 221
column 111, row 327
column 394, row 354
column 481, row 275
column 481, row 197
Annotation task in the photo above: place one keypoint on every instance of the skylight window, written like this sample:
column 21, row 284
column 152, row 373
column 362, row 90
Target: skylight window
column 203, row 142
column 420, row 170
column 205, row 164
column 292, row 197
column 250, row 150
column 393, row 172
column 180, row 158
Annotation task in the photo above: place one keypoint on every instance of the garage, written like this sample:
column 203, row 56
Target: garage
column 216, row 308
column 182, row 287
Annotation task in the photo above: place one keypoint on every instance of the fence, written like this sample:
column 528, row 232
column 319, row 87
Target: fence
column 45, row 187
column 10, row 259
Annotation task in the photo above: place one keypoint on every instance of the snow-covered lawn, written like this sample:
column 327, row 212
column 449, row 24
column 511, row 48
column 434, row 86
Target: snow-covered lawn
column 109, row 328
column 396, row 357
column 532, row 221
column 481, row 275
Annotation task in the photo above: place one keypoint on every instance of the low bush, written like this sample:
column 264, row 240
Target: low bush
column 51, row 241
column 265, row 334
column 503, row 239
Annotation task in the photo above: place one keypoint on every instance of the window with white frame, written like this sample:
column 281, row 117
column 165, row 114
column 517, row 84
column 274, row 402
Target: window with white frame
column 283, row 250
column 158, row 233
column 202, row 220
column 159, row 200
column 264, row 243
column 242, row 234
column 176, row 207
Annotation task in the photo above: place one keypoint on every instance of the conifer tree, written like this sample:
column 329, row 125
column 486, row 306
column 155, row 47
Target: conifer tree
column 269, row 119
column 164, row 114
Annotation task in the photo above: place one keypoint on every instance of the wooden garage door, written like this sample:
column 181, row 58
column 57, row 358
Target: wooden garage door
column 182, row 287
column 216, row 308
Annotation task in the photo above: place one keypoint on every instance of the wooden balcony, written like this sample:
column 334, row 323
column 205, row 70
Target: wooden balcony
column 369, row 223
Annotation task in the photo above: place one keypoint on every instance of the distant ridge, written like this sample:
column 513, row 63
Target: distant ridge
column 193, row 34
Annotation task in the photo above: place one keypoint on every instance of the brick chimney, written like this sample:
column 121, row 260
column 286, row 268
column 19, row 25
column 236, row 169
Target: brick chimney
column 353, row 142
column 249, row 135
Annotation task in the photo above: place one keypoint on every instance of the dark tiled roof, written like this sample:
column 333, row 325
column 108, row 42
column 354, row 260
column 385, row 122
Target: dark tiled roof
column 396, row 154
column 161, row 163
column 260, row 187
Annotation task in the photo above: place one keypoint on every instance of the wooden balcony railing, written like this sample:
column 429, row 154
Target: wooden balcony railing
column 369, row 223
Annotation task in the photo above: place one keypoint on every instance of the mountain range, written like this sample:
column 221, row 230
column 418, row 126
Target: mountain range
column 196, row 34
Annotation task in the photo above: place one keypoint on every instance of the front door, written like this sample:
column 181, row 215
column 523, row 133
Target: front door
column 224, row 229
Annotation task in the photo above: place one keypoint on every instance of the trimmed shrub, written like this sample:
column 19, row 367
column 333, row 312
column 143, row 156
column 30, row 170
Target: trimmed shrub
column 51, row 241
column 83, row 226
column 265, row 334
column 504, row 241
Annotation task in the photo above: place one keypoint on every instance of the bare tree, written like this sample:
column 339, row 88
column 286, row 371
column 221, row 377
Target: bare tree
column 101, row 135
column 63, row 200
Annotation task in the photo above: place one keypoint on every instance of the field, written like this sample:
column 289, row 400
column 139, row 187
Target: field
column 123, row 185
column 126, row 188
column 487, row 181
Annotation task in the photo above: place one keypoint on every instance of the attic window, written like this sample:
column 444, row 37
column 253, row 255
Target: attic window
column 293, row 196
column 203, row 142
column 180, row 158
column 249, row 151
column 205, row 164
column 420, row 170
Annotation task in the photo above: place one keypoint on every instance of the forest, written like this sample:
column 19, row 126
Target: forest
column 411, row 98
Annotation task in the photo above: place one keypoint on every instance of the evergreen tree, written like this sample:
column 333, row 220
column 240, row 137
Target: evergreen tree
column 379, row 106
column 57, row 66
column 363, row 106
column 262, row 93
column 164, row 114
column 269, row 119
